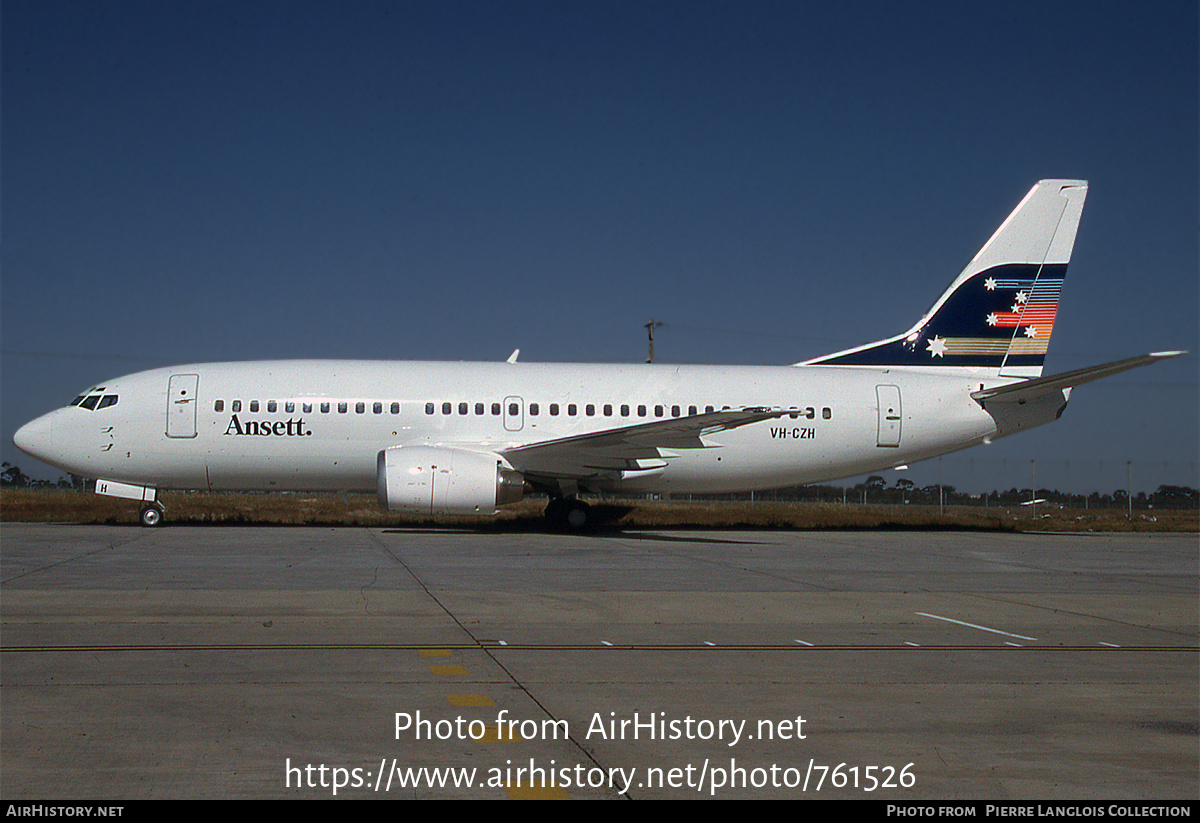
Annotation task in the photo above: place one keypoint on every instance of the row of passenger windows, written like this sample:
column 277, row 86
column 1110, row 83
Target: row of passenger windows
column 514, row 409
column 289, row 406
column 606, row 410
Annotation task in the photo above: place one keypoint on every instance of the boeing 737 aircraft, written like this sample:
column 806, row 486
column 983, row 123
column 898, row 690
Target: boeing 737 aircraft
column 465, row 438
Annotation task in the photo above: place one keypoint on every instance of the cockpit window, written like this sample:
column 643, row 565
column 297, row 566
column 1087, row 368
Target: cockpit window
column 92, row 402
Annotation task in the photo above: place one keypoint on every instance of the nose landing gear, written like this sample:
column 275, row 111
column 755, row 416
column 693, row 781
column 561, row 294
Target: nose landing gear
column 151, row 515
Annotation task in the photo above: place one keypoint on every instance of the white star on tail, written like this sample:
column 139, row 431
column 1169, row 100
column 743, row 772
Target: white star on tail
column 990, row 284
column 937, row 347
column 1031, row 331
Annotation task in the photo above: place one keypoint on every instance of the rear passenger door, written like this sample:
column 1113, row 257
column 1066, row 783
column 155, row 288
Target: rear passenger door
column 890, row 418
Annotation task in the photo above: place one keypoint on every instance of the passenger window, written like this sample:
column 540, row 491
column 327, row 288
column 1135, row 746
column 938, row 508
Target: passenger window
column 674, row 411
column 429, row 408
column 324, row 408
column 377, row 408
column 219, row 406
column 572, row 410
column 462, row 408
column 589, row 410
column 446, row 408
column 691, row 409
column 479, row 408
column 237, row 406
column 533, row 409
column 826, row 413
column 342, row 407
column 395, row 408
column 658, row 411
column 307, row 408
column 708, row 409
column 607, row 410
column 641, row 411
column 810, row 412
column 289, row 407
column 554, row 409
column 271, row 406
column 496, row 409
column 513, row 410
column 253, row 405
column 624, row 410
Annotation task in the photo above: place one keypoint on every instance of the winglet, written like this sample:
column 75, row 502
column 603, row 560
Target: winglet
column 512, row 358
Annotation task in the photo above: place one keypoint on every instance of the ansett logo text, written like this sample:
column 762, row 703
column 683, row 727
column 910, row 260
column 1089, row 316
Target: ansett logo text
column 276, row 428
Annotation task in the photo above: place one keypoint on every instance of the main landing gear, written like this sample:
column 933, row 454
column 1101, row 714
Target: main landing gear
column 569, row 513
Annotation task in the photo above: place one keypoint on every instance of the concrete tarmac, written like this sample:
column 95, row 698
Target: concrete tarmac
column 227, row 662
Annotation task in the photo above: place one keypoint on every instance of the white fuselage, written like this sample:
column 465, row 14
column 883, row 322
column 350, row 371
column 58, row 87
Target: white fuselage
column 319, row 425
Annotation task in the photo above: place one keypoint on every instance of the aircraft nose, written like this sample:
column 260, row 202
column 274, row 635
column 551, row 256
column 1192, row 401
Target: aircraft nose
column 36, row 437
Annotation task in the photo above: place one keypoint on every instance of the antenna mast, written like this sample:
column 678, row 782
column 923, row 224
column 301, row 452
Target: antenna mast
column 650, row 327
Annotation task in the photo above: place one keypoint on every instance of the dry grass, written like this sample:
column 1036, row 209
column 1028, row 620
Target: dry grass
column 20, row 505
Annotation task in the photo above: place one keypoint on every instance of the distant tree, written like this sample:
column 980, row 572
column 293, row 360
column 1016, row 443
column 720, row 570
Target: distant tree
column 12, row 476
column 1176, row 497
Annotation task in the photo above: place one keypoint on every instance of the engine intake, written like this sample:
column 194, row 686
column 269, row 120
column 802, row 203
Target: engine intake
column 433, row 480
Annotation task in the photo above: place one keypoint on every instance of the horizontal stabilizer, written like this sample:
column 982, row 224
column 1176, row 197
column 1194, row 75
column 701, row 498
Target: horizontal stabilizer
column 1029, row 389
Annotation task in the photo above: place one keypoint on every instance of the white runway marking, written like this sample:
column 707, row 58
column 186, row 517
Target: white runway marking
column 974, row 626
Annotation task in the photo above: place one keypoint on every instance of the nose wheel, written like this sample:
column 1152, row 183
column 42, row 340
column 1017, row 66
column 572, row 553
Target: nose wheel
column 151, row 516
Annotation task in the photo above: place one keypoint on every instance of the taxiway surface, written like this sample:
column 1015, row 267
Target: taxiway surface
column 298, row 662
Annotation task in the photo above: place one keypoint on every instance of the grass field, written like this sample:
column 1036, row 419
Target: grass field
column 53, row 506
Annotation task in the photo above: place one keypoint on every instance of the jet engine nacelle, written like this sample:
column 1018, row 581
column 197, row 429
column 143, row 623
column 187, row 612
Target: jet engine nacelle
column 434, row 480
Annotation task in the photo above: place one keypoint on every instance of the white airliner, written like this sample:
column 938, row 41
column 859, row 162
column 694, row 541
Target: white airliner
column 465, row 438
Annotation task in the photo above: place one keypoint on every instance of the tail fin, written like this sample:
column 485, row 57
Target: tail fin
column 999, row 313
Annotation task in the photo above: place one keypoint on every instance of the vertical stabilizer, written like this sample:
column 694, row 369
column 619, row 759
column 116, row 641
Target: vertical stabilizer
column 999, row 313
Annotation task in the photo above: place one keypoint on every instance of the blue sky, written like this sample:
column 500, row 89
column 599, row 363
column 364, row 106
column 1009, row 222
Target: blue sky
column 453, row 180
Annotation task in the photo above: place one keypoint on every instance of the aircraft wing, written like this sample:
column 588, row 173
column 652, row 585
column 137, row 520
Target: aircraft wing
column 629, row 448
column 1038, row 386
